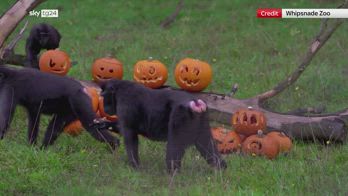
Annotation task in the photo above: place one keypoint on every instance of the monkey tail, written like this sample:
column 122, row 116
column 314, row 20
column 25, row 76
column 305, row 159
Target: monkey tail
column 198, row 106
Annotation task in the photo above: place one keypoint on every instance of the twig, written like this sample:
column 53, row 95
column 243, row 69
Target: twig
column 9, row 49
column 170, row 19
column 233, row 90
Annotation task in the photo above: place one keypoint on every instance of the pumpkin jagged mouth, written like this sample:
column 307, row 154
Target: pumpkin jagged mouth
column 148, row 80
column 103, row 78
column 189, row 82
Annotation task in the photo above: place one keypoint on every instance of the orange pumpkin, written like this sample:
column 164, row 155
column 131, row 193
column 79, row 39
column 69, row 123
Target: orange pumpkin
column 107, row 68
column 93, row 94
column 74, row 128
column 193, row 75
column 55, row 61
column 227, row 141
column 248, row 121
column 261, row 145
column 284, row 141
column 151, row 73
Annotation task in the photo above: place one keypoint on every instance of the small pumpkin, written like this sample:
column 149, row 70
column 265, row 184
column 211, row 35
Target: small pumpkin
column 151, row 73
column 284, row 141
column 227, row 141
column 107, row 68
column 74, row 128
column 55, row 61
column 193, row 75
column 248, row 121
column 261, row 145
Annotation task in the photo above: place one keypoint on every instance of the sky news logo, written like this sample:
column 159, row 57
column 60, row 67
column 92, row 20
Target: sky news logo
column 44, row 13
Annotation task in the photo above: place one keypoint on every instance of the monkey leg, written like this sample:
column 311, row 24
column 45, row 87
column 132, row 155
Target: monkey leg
column 207, row 148
column 82, row 108
column 174, row 154
column 55, row 128
column 34, row 114
column 131, row 141
column 7, row 108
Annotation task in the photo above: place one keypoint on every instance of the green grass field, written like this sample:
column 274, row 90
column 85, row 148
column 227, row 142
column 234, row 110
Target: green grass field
column 255, row 53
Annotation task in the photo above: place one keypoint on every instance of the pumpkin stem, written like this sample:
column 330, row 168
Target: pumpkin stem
column 250, row 107
column 260, row 133
column 150, row 58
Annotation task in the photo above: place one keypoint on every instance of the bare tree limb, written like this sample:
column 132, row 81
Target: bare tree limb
column 308, row 110
column 9, row 49
column 170, row 19
column 330, row 127
column 324, row 34
column 10, row 20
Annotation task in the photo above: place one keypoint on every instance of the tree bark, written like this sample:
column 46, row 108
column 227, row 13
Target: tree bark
column 10, row 20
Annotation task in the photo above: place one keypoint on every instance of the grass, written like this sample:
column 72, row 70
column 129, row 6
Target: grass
column 255, row 53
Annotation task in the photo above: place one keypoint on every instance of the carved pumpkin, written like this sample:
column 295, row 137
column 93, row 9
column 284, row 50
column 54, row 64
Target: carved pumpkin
column 107, row 68
column 193, row 75
column 284, row 141
column 55, row 61
column 248, row 121
column 227, row 141
column 261, row 145
column 75, row 127
column 151, row 73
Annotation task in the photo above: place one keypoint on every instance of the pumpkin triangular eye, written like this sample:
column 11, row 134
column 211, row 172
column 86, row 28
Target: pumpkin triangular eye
column 231, row 141
column 253, row 119
column 51, row 63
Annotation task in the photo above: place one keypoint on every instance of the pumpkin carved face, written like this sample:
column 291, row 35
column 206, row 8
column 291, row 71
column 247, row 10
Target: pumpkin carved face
column 107, row 68
column 55, row 61
column 227, row 141
column 151, row 73
column 248, row 121
column 193, row 75
column 261, row 145
column 284, row 141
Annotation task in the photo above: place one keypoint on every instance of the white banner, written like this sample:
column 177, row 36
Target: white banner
column 314, row 13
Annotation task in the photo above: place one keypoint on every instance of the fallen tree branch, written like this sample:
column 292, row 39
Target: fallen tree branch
column 10, row 47
column 308, row 110
column 11, row 18
column 170, row 19
column 330, row 127
column 328, row 27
